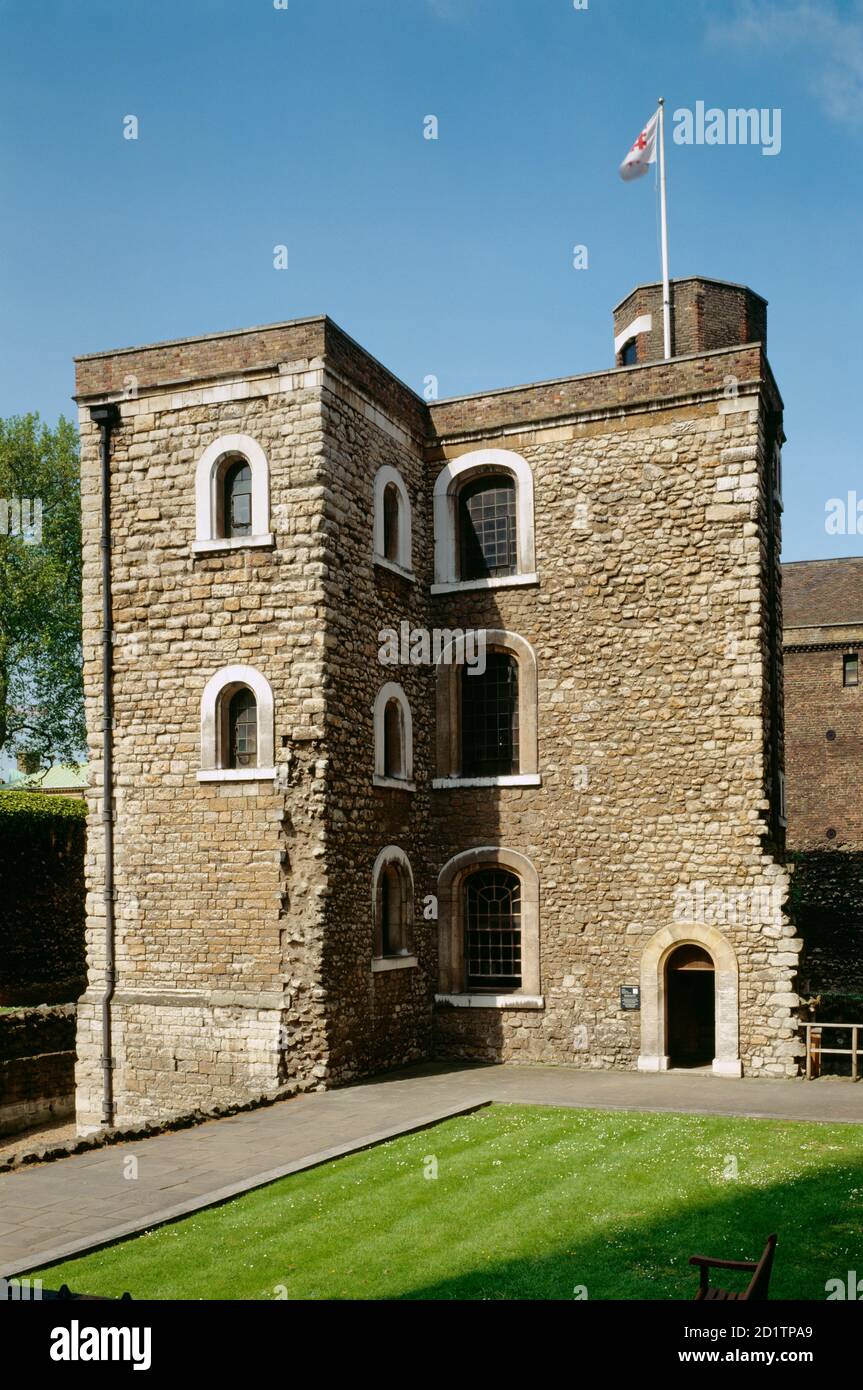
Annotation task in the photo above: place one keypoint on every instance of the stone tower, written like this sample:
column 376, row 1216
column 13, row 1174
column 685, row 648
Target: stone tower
column 333, row 853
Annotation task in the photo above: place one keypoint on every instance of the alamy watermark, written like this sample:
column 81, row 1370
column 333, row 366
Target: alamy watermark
column 844, row 515
column 20, row 1290
column 849, row 1289
column 22, row 516
column 439, row 646
column 737, row 126
column 718, row 907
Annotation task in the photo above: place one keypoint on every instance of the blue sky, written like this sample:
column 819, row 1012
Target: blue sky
column 453, row 257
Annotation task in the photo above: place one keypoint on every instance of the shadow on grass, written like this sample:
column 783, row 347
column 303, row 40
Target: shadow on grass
column 817, row 1219
column 528, row 1204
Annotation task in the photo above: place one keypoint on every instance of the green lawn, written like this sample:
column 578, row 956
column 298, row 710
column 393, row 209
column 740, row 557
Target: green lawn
column 528, row 1203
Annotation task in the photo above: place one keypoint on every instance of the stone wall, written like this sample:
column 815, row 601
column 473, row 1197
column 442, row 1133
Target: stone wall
column 376, row 1019
column 37, row 1066
column 219, row 913
column 244, row 909
column 652, row 632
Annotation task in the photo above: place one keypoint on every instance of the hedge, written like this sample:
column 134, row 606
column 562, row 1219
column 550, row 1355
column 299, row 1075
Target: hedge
column 42, row 844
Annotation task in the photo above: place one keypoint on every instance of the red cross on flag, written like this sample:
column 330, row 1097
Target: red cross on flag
column 643, row 152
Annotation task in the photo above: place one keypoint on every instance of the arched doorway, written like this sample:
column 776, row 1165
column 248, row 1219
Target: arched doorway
column 654, row 1055
column 690, row 993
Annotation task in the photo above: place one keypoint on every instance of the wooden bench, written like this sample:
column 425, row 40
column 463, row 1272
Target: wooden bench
column 756, row 1289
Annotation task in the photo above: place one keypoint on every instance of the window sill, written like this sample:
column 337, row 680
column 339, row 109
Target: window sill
column 517, row 779
column 238, row 774
column 395, row 568
column 223, row 544
column 506, row 581
column 380, row 963
column 399, row 784
column 492, row 1001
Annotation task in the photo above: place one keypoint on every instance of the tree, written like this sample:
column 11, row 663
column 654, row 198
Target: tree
column 41, row 688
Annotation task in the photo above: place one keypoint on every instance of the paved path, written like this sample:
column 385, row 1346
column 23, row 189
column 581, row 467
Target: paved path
column 54, row 1210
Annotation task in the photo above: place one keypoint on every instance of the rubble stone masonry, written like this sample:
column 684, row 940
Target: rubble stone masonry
column 245, row 934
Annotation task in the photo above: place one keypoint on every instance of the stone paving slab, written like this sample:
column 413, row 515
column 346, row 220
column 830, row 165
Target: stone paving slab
column 55, row 1210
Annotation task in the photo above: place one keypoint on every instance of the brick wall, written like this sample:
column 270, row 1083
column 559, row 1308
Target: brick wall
column 705, row 315
column 824, row 756
column 37, row 1066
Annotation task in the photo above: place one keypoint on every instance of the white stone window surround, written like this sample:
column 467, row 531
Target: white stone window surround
column 456, row 473
column 403, row 565
column 448, row 717
column 392, row 854
column 451, row 882
column 643, row 324
column 208, row 479
column 213, row 704
column 388, row 692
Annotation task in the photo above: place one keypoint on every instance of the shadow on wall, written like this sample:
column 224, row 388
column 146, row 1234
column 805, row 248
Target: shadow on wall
column 37, row 1066
column 42, row 899
column 827, row 904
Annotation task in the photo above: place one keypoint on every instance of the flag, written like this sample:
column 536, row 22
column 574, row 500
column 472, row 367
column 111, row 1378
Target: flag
column 643, row 152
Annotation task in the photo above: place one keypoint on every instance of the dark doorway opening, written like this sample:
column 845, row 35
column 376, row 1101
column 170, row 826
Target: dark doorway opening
column 691, row 1003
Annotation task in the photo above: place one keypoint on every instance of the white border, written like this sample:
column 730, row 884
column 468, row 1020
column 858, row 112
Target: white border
column 404, row 561
column 391, row 854
column 644, row 324
column 393, row 691
column 451, row 477
column 211, row 769
column 206, row 477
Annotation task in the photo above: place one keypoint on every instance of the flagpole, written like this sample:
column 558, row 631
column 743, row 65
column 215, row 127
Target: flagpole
column 666, row 286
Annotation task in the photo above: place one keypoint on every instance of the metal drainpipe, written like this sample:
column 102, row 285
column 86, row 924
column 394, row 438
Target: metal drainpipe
column 106, row 417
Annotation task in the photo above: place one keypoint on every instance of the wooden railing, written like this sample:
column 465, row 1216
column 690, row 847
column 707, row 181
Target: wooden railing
column 815, row 1051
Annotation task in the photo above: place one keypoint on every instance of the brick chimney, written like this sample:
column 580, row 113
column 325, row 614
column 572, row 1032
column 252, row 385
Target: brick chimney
column 705, row 314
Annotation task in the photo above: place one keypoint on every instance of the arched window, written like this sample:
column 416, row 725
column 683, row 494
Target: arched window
column 629, row 353
column 237, row 727
column 392, row 539
column 242, row 731
column 488, row 921
column 487, row 535
column 391, row 522
column 232, row 496
column 237, row 499
column 487, row 713
column 489, row 718
column 483, row 518
column 394, row 765
column 393, row 729
column 492, row 921
column 392, row 902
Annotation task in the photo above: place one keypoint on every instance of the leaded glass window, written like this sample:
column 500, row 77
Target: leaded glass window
column 487, row 528
column 238, row 499
column 243, row 730
column 492, row 910
column 489, row 718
